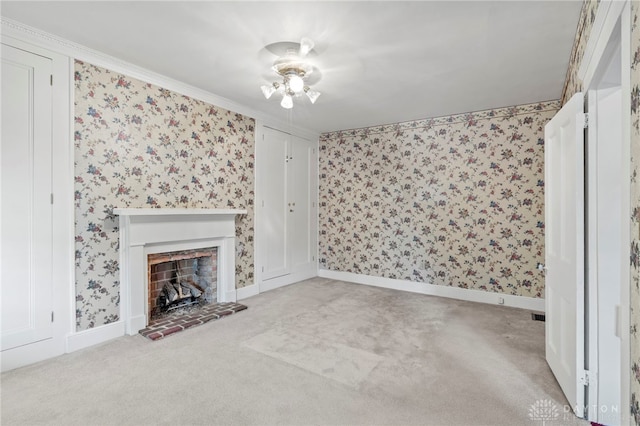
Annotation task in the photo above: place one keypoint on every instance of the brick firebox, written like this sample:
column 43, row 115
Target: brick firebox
column 163, row 268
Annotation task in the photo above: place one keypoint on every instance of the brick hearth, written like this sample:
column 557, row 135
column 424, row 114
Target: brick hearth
column 178, row 322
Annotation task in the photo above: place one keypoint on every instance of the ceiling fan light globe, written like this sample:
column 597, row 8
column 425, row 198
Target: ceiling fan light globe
column 313, row 95
column 287, row 102
column 306, row 44
column 296, row 83
column 267, row 91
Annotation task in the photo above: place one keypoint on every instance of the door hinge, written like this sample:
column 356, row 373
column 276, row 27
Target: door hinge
column 51, row 80
column 263, row 269
column 586, row 120
column 52, row 198
column 262, row 203
column 586, row 378
column 51, row 316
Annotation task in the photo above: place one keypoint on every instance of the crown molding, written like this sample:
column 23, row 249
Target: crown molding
column 24, row 33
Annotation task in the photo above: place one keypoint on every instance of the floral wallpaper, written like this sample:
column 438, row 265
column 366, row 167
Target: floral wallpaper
column 635, row 212
column 454, row 201
column 139, row 145
column 572, row 85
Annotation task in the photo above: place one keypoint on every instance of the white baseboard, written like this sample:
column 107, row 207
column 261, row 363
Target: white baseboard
column 274, row 283
column 29, row 354
column 530, row 303
column 93, row 336
column 248, row 291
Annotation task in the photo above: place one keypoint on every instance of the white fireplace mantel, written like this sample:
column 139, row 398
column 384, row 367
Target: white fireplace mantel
column 145, row 231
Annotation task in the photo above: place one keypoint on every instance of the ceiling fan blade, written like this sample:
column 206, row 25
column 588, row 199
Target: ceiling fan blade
column 306, row 44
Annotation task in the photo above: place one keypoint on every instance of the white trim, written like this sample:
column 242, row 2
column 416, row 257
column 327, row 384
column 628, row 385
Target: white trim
column 85, row 54
column 625, row 272
column 176, row 212
column 609, row 13
column 278, row 282
column 69, row 197
column 257, row 259
column 310, row 268
column 315, row 206
column 591, row 291
column 93, row 336
column 229, row 296
column 30, row 354
column 247, row 291
column 530, row 303
column 164, row 231
column 63, row 208
column 606, row 19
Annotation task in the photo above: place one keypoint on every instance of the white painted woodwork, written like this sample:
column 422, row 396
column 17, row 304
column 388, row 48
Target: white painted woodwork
column 26, row 219
column 603, row 26
column 299, row 195
column 62, row 298
column 272, row 155
column 148, row 231
column 564, row 249
column 286, row 216
column 522, row 302
column 607, row 238
column 607, row 191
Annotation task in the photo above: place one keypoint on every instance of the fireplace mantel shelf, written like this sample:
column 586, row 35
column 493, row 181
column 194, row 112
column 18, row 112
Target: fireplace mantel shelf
column 174, row 212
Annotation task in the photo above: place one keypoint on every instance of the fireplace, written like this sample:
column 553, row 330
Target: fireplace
column 180, row 280
column 150, row 232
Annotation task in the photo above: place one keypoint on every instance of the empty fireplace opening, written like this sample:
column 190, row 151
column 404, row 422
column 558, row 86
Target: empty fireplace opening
column 181, row 281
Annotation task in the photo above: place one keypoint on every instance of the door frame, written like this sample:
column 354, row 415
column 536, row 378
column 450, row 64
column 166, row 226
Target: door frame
column 63, row 302
column 597, row 55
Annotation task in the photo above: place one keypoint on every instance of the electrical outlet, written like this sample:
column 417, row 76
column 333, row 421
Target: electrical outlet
column 500, row 300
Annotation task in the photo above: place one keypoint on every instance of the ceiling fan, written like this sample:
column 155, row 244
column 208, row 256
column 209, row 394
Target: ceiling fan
column 294, row 68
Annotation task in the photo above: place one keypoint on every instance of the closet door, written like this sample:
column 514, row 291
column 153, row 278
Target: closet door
column 299, row 203
column 272, row 157
column 285, row 219
column 26, row 221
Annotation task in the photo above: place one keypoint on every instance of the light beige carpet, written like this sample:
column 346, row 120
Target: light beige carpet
column 316, row 352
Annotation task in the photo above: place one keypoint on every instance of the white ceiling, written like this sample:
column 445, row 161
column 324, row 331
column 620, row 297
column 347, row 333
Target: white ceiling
column 380, row 62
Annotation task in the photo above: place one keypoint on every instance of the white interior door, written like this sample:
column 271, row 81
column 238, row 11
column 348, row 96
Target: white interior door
column 273, row 156
column 299, row 204
column 564, row 249
column 26, row 212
